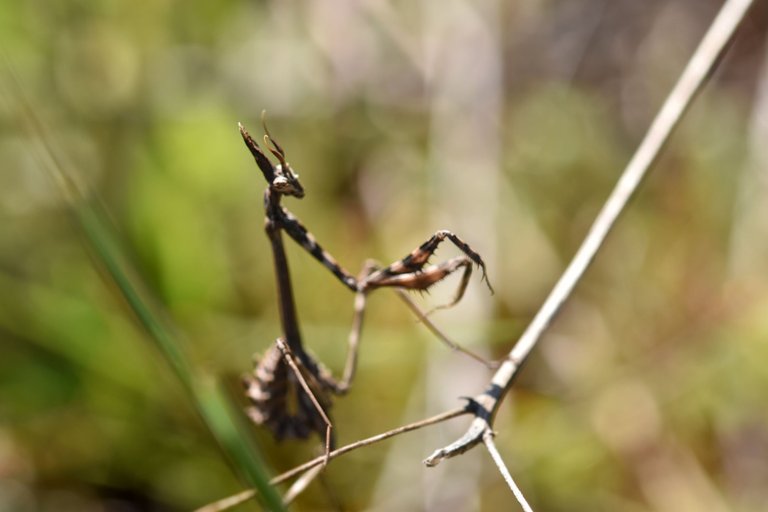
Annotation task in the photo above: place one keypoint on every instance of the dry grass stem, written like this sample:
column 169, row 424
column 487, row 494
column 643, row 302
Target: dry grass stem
column 236, row 499
column 496, row 456
column 301, row 483
column 679, row 99
column 308, row 390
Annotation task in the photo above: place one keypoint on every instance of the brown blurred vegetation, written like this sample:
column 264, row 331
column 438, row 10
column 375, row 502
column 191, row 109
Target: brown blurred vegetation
column 507, row 122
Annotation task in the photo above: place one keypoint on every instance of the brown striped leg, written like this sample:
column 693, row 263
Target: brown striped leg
column 424, row 278
column 410, row 273
column 415, row 261
column 459, row 291
column 421, row 280
column 305, row 239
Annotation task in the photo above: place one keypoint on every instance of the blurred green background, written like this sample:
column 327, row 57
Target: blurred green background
column 506, row 122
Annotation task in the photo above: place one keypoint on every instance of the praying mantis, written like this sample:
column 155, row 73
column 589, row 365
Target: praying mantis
column 287, row 371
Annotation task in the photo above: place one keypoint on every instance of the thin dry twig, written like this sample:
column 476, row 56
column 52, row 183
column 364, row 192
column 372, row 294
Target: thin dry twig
column 288, row 355
column 693, row 77
column 236, row 499
column 496, row 456
column 438, row 418
column 228, row 502
column 301, row 483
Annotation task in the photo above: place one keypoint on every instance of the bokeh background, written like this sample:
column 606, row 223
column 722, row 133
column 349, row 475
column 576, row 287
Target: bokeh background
column 506, row 122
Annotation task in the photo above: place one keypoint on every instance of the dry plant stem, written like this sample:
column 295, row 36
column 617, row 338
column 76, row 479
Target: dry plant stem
column 496, row 456
column 228, row 502
column 236, row 499
column 372, row 440
column 292, row 363
column 301, row 483
column 693, row 77
column 438, row 333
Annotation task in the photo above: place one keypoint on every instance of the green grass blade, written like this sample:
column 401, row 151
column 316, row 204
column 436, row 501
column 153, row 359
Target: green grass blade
column 211, row 403
column 207, row 398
